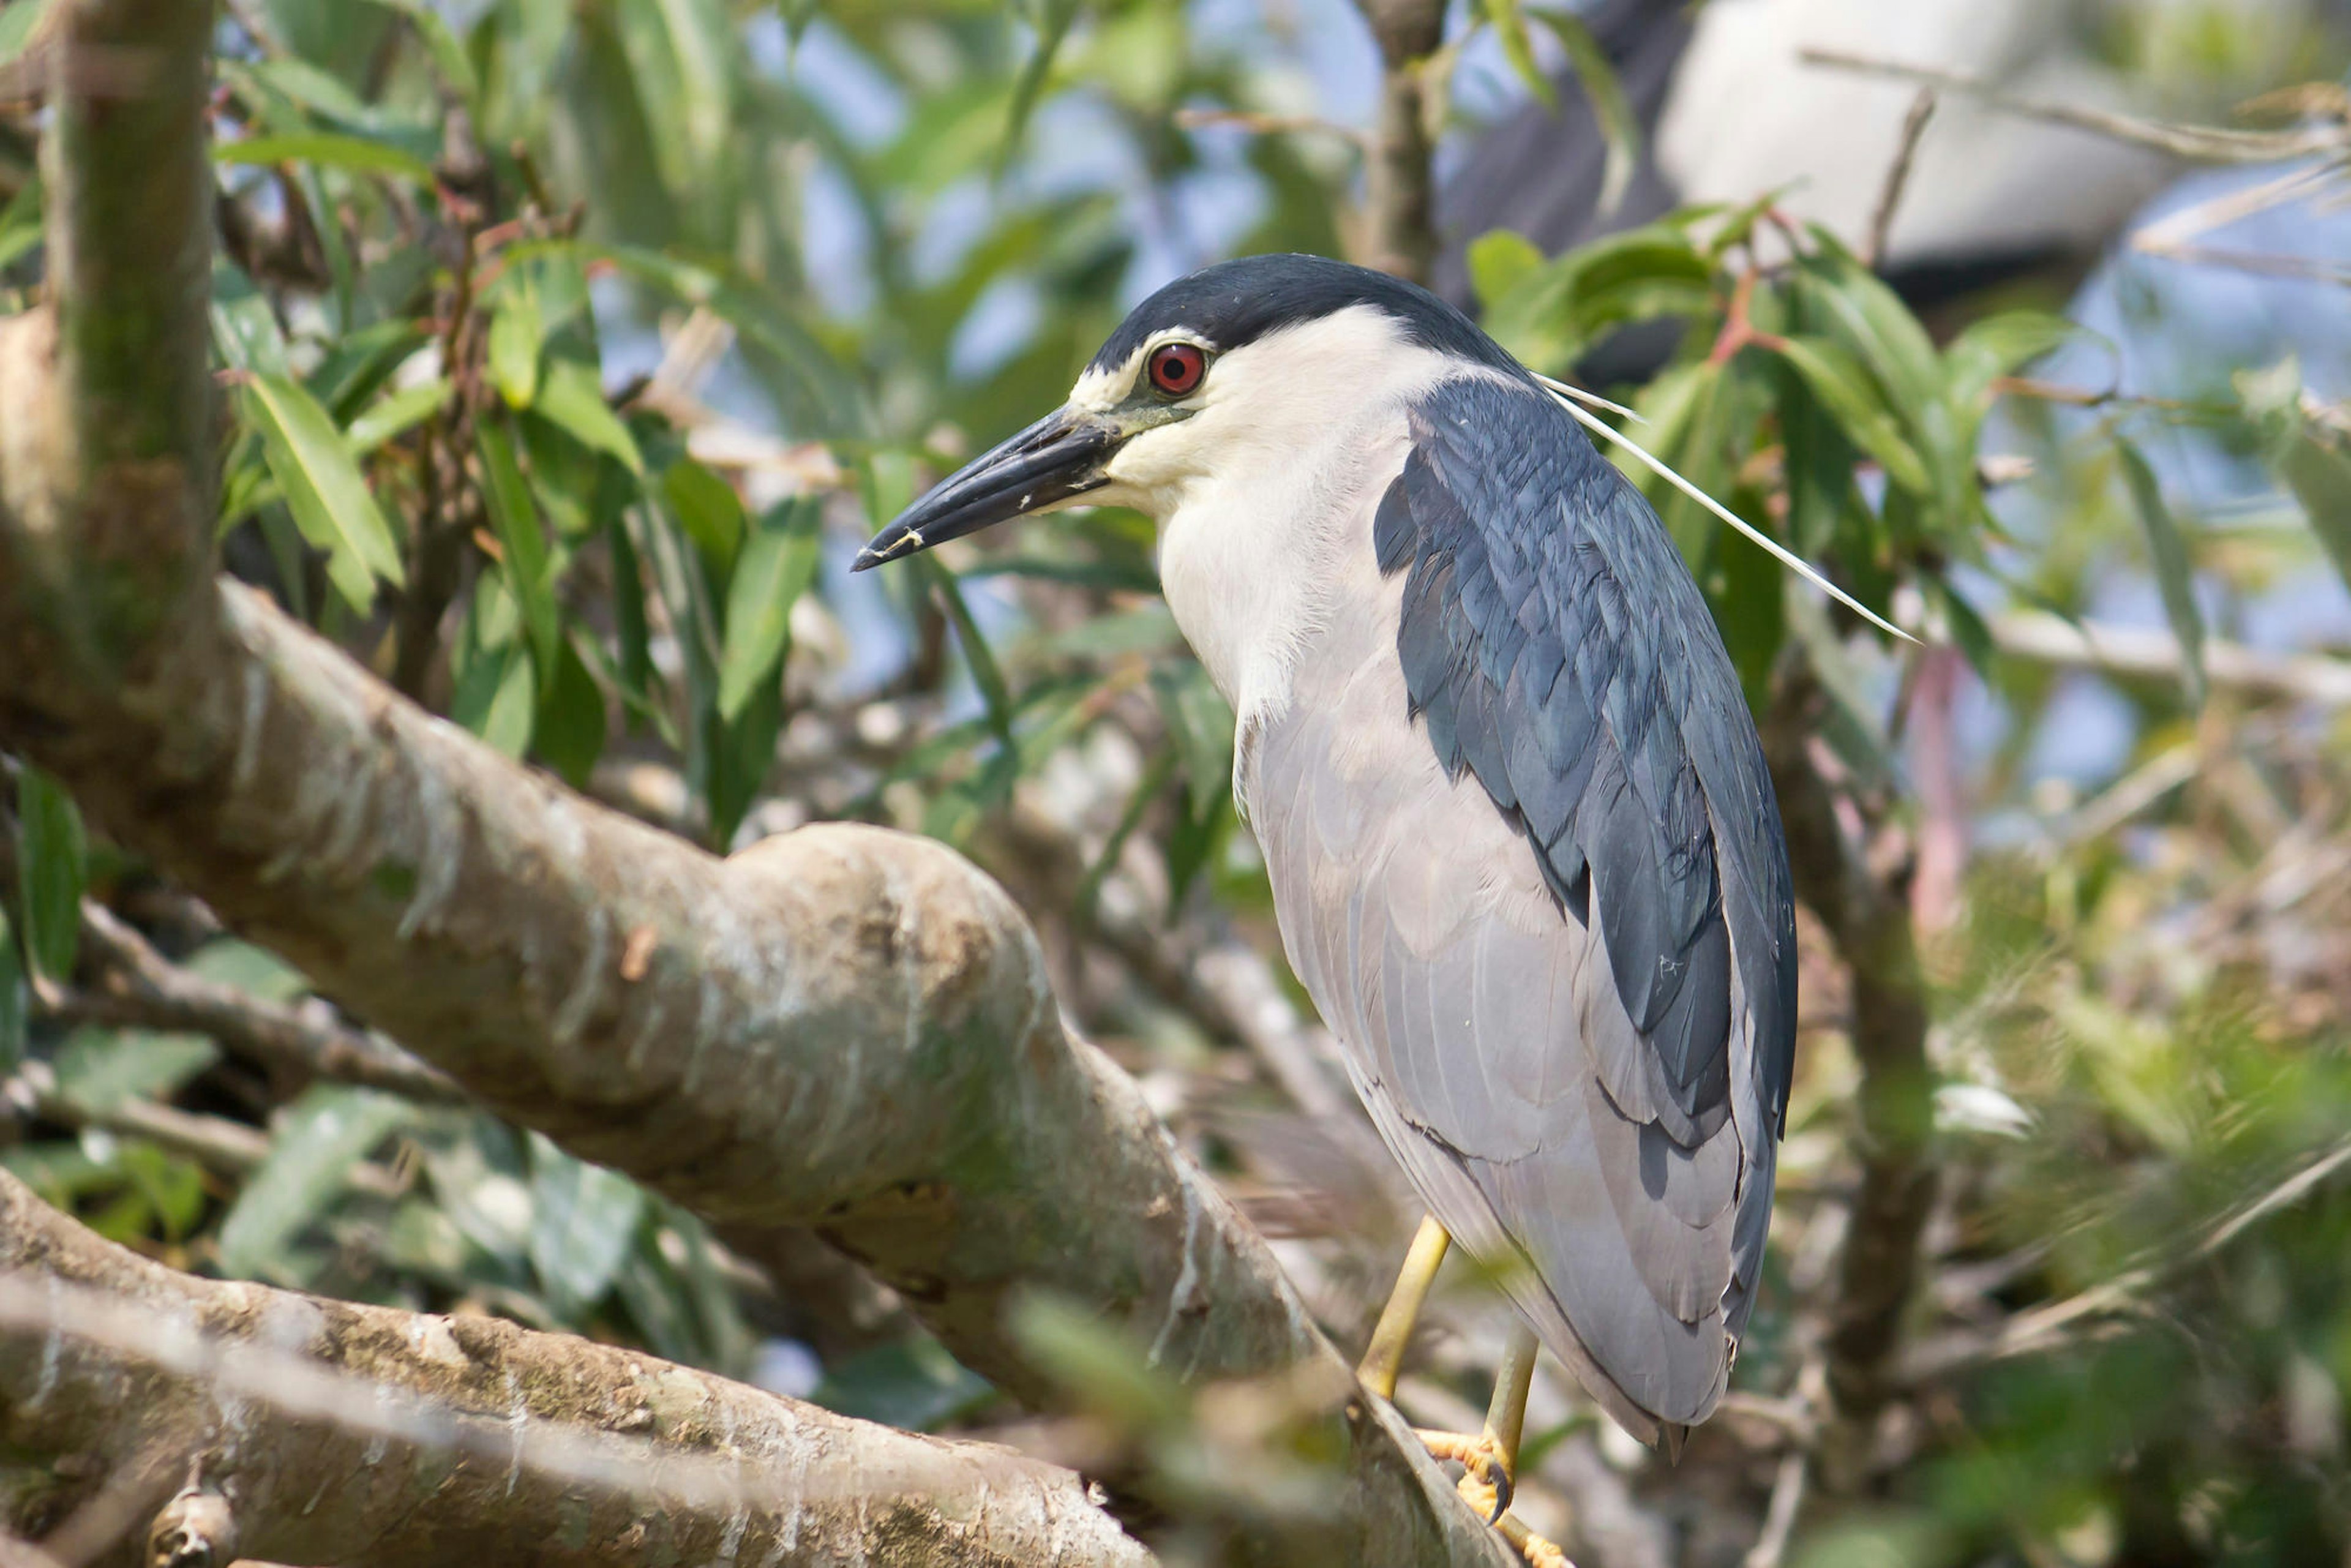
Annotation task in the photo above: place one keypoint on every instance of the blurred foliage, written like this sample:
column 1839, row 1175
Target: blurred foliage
column 573, row 348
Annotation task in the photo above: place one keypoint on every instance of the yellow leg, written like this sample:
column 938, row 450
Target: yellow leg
column 1490, row 1458
column 1384, row 1356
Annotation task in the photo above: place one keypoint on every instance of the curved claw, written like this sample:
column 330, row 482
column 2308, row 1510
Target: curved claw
column 1486, row 1472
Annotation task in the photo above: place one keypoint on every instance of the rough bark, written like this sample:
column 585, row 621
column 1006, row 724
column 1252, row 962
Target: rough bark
column 1399, row 222
column 328, row 1432
column 843, row 1028
column 1869, row 922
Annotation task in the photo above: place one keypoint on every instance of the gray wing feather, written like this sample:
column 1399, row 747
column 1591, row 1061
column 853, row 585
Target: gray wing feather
column 1509, row 880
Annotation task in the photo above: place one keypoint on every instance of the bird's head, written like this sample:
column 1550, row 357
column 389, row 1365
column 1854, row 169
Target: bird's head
column 1231, row 371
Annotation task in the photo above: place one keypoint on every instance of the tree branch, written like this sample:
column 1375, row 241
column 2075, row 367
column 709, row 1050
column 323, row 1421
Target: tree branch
column 138, row 988
column 843, row 1028
column 1869, row 921
column 1399, row 222
column 338, row 1433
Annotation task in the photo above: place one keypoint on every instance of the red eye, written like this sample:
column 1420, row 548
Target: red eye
column 1176, row 368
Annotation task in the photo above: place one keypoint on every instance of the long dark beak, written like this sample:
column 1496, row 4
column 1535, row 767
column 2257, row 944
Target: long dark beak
column 1058, row 456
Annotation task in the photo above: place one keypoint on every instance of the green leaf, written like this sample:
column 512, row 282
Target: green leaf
column 324, row 490
column 1200, row 727
column 496, row 699
column 52, row 872
column 2318, row 472
column 912, row 1383
column 317, row 1141
column 985, row 674
column 244, row 325
column 584, row 1223
column 517, row 334
column 2167, row 550
column 1052, row 27
column 710, row 512
column 21, row 221
column 1619, row 126
column 568, row 733
column 528, row 565
column 449, row 57
column 1499, row 259
column 571, row 396
column 1999, row 346
column 99, row 1068
column 352, row 154
column 396, row 413
column 1843, row 387
column 1510, row 25
column 13, row 997
column 777, row 564
column 16, row 25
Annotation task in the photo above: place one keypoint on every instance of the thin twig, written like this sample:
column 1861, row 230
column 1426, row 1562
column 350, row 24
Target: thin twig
column 2202, row 143
column 1898, row 176
column 141, row 988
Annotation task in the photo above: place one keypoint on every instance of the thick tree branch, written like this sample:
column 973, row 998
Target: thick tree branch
column 1869, row 921
column 337, row 1433
column 842, row 1027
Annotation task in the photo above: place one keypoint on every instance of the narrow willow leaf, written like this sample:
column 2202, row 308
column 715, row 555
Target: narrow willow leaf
column 318, row 1140
column 710, row 512
column 352, row 154
column 529, row 569
column 985, row 674
column 517, row 334
column 14, row 1011
column 568, row 732
column 2319, row 474
column 397, row 412
column 1052, row 27
column 1843, row 387
column 324, row 490
column 1509, row 24
column 1794, row 563
column 2167, row 550
column 1611, row 109
column 52, row 870
column 777, row 564
column 583, row 1224
column 572, row 397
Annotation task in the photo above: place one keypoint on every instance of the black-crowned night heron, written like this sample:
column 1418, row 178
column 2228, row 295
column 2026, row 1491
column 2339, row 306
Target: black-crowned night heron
column 1524, row 850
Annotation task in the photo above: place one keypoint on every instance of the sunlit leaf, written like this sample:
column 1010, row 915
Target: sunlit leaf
column 777, row 564
column 397, row 412
column 324, row 490
column 317, row 1141
column 1844, row 389
column 1509, row 20
column 99, row 1068
column 572, row 397
column 583, row 1224
column 352, row 154
column 52, row 871
column 517, row 334
column 16, row 25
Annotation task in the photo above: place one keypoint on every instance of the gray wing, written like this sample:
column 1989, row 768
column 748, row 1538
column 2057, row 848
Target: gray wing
column 1527, row 861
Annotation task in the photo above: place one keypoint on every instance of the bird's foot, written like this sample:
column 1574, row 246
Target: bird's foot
column 1538, row 1553
column 1486, row 1482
